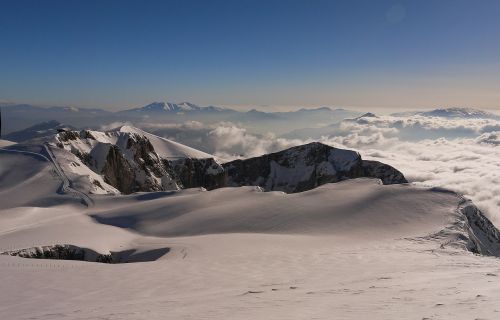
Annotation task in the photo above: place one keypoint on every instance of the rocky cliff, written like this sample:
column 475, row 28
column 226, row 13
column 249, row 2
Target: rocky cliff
column 132, row 161
column 129, row 162
column 305, row 167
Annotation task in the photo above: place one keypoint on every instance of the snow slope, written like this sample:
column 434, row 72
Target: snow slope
column 6, row 143
column 164, row 148
column 390, row 212
column 28, row 179
column 352, row 250
column 356, row 249
column 167, row 148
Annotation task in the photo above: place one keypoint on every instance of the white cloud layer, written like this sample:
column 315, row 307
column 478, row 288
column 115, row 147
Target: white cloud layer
column 465, row 159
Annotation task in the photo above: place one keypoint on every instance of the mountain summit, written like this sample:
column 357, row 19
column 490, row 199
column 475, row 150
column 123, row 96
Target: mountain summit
column 169, row 107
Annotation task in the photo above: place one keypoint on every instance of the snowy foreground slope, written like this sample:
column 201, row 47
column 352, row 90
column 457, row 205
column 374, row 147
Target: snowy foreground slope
column 355, row 249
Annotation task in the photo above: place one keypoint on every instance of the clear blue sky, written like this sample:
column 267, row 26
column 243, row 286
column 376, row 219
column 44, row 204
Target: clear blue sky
column 372, row 53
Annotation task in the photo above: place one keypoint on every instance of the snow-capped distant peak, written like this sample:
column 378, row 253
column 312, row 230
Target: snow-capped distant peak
column 168, row 107
column 367, row 115
column 41, row 130
column 315, row 109
column 459, row 113
column 187, row 106
column 155, row 106
column 214, row 108
column 181, row 107
column 454, row 112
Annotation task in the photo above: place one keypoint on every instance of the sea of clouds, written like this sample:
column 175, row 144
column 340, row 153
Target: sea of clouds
column 460, row 154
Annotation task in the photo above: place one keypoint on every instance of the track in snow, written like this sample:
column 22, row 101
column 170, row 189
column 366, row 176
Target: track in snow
column 66, row 183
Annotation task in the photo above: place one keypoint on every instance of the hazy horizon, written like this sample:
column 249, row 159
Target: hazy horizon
column 359, row 54
column 263, row 108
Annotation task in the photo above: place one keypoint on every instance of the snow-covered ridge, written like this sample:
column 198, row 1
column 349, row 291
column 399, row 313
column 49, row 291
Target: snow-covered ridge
column 131, row 160
column 469, row 229
column 174, row 108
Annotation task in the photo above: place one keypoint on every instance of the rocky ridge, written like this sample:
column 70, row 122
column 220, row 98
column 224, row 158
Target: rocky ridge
column 130, row 162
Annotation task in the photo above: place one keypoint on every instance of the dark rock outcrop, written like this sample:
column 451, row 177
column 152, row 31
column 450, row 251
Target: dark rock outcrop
column 193, row 173
column 130, row 163
column 306, row 167
column 483, row 236
column 72, row 252
column 382, row 171
column 471, row 230
column 118, row 172
column 61, row 252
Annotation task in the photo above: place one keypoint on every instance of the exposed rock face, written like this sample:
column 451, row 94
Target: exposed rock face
column 118, row 172
column 61, row 252
column 471, row 230
column 72, row 252
column 382, row 171
column 483, row 236
column 129, row 162
column 192, row 173
column 68, row 135
column 306, row 167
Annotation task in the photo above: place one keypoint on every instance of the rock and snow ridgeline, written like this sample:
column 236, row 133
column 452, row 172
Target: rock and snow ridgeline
column 306, row 167
column 131, row 160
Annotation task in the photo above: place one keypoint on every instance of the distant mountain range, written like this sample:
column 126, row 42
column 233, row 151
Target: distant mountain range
column 466, row 113
column 169, row 107
column 20, row 116
column 317, row 120
column 411, row 131
column 40, row 130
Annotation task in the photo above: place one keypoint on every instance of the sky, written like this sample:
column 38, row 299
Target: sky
column 274, row 54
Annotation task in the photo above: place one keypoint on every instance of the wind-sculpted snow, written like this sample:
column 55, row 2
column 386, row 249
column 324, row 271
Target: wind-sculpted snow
column 341, row 210
column 356, row 249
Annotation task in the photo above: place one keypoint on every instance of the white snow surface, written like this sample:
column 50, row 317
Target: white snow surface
column 165, row 148
column 6, row 143
column 351, row 250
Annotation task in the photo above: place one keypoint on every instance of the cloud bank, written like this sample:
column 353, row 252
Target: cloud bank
column 458, row 154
